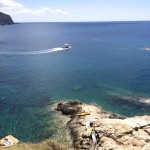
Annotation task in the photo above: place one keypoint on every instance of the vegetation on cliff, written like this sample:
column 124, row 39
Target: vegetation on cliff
column 45, row 145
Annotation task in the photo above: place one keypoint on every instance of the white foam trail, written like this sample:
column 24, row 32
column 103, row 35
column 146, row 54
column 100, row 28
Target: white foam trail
column 144, row 100
column 40, row 52
column 147, row 49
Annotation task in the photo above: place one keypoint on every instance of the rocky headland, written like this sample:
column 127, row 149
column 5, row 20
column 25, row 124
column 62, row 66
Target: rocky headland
column 5, row 19
column 90, row 127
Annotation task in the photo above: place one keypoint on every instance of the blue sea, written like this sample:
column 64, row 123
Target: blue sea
column 107, row 65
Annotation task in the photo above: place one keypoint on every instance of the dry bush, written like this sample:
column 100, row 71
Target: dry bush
column 45, row 145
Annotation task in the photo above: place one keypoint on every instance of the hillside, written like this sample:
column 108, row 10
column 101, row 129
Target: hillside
column 5, row 19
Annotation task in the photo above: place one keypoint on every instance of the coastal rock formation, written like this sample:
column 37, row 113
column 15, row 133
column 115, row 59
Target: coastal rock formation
column 69, row 108
column 5, row 19
column 104, row 131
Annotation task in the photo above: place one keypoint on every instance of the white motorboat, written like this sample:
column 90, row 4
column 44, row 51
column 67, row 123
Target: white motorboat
column 66, row 46
column 148, row 48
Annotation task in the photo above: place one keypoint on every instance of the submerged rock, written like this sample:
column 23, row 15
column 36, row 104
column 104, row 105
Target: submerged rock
column 109, row 130
column 77, row 88
column 5, row 19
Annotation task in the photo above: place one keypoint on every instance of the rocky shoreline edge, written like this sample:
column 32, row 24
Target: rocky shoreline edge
column 90, row 127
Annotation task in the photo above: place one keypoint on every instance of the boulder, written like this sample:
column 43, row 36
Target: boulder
column 69, row 108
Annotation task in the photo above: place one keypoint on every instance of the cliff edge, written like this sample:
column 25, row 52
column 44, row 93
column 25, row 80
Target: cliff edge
column 5, row 19
column 92, row 128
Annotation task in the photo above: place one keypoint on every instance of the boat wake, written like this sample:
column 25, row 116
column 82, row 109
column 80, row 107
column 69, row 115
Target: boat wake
column 147, row 49
column 38, row 52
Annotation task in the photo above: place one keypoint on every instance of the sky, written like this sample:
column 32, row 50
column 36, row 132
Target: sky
column 76, row 10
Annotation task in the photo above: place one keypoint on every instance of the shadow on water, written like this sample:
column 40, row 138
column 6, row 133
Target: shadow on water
column 121, row 101
column 129, row 106
column 104, row 87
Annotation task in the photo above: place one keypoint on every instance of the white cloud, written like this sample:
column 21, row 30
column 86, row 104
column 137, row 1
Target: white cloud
column 14, row 8
column 60, row 11
column 9, row 5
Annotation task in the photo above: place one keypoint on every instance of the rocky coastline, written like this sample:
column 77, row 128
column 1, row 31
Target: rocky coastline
column 5, row 19
column 90, row 127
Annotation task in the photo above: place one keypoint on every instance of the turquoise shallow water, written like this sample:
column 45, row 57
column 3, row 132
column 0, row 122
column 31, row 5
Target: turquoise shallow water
column 107, row 65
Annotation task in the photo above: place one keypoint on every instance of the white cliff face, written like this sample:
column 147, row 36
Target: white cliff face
column 5, row 19
column 111, row 131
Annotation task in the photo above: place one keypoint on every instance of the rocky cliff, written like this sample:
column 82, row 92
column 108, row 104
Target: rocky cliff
column 91, row 128
column 5, row 19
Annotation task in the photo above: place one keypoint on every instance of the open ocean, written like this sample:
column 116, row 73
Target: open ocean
column 107, row 65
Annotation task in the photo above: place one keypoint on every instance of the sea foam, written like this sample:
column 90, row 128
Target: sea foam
column 147, row 49
column 38, row 52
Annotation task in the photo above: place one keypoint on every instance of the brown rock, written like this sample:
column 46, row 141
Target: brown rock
column 69, row 108
column 85, row 135
column 146, row 147
column 112, row 131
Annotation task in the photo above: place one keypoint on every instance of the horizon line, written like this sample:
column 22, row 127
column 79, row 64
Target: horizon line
column 83, row 21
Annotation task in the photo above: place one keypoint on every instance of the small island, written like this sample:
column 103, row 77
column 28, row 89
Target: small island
column 5, row 19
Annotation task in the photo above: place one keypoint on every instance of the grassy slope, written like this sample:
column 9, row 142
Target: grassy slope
column 45, row 145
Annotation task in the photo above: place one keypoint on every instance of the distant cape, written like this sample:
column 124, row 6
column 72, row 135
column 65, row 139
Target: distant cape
column 5, row 19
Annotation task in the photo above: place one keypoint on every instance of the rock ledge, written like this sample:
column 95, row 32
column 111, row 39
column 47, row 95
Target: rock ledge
column 104, row 131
